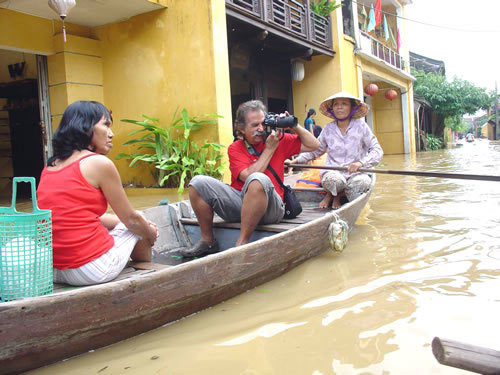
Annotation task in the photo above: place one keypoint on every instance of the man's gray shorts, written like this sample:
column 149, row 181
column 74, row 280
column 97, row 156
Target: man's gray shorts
column 226, row 201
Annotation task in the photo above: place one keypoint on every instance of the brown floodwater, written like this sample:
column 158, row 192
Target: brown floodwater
column 422, row 261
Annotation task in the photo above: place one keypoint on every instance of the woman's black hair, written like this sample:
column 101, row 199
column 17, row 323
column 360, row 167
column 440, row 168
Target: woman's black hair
column 76, row 128
column 309, row 114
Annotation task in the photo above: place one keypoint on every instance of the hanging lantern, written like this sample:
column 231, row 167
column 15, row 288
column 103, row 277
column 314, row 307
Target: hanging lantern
column 391, row 94
column 62, row 7
column 371, row 89
column 298, row 70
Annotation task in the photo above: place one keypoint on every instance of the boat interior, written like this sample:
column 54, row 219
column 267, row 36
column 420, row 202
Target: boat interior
column 179, row 229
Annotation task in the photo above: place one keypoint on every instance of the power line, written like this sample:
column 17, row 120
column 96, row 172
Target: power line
column 433, row 25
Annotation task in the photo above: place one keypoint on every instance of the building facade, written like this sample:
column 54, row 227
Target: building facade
column 156, row 57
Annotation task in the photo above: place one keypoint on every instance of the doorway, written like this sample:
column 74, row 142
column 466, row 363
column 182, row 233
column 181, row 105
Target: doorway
column 22, row 136
column 267, row 78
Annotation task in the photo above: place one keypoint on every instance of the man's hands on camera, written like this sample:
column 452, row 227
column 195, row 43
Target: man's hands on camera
column 273, row 140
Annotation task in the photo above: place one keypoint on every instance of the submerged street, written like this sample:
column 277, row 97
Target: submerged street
column 422, row 261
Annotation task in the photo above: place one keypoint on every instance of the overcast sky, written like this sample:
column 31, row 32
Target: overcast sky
column 473, row 56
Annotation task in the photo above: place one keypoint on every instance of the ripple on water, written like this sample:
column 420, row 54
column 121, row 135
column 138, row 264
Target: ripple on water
column 422, row 261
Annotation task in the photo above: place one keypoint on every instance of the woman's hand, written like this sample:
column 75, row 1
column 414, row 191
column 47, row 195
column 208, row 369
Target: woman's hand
column 153, row 232
column 353, row 167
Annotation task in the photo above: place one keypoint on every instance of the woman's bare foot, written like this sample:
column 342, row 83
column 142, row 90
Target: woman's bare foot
column 325, row 203
column 336, row 202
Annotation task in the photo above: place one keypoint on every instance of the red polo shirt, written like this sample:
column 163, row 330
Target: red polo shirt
column 240, row 159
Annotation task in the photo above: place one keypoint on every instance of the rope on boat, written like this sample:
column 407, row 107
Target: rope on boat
column 337, row 233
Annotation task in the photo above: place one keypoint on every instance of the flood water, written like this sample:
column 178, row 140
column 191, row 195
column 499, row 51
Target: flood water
column 422, row 261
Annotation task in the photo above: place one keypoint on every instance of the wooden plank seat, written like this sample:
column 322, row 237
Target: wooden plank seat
column 309, row 213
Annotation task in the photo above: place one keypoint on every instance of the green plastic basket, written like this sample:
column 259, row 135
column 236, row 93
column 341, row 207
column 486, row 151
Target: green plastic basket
column 25, row 249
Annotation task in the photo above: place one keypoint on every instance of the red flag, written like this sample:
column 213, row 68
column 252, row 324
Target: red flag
column 378, row 12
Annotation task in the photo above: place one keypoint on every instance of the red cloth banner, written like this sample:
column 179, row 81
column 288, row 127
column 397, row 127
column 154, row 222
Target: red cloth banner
column 378, row 12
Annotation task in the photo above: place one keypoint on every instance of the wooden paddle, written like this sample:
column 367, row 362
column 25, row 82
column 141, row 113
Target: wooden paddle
column 458, row 176
column 465, row 356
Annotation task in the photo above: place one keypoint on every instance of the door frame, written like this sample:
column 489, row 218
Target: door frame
column 44, row 105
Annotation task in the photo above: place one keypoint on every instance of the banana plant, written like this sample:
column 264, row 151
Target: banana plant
column 172, row 158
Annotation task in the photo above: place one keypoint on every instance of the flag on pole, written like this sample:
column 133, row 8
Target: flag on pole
column 386, row 32
column 371, row 22
column 378, row 12
column 365, row 18
column 393, row 40
column 399, row 41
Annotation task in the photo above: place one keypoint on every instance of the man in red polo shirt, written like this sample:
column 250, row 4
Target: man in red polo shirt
column 255, row 196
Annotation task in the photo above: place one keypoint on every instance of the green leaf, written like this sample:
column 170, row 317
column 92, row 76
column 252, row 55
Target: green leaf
column 181, row 183
column 165, row 150
column 150, row 118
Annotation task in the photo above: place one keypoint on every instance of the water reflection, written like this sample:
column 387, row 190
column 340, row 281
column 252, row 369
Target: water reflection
column 422, row 261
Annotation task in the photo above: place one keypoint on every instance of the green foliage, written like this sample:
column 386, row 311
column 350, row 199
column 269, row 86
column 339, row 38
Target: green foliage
column 174, row 159
column 450, row 99
column 324, row 7
column 433, row 143
column 492, row 118
column 455, row 123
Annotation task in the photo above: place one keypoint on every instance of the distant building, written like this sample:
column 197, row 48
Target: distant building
column 426, row 64
column 425, row 118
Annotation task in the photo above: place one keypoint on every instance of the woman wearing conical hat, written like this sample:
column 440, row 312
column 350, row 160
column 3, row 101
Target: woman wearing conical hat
column 348, row 142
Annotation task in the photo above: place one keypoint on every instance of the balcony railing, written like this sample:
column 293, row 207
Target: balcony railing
column 378, row 49
column 293, row 17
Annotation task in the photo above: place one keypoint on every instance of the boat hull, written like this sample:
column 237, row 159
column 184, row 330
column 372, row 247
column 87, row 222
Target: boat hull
column 38, row 331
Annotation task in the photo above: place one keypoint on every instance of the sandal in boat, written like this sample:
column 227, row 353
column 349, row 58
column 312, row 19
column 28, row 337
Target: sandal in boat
column 200, row 249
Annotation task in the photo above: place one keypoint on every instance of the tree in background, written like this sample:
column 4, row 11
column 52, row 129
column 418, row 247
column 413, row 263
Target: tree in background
column 450, row 101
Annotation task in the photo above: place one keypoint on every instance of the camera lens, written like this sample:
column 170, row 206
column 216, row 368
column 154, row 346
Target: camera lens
column 286, row 122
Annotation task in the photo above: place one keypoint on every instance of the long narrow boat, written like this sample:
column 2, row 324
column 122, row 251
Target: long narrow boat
column 38, row 331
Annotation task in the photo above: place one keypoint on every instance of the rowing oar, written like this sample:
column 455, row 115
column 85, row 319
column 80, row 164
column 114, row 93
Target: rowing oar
column 458, row 176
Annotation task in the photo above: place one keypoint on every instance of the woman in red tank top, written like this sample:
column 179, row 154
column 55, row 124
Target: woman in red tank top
column 79, row 181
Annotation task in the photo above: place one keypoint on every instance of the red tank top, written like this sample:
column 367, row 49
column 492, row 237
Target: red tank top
column 78, row 236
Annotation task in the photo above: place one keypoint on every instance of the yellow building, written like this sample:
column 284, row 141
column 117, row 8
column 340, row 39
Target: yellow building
column 157, row 56
column 488, row 130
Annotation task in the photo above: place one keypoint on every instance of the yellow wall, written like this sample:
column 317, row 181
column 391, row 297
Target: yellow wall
column 348, row 63
column 35, row 35
column 165, row 60
column 388, row 115
column 13, row 57
column 171, row 59
column 388, row 121
column 325, row 76
column 75, row 73
column 154, row 63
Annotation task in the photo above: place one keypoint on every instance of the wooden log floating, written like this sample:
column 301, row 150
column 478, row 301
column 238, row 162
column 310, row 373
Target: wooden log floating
column 466, row 357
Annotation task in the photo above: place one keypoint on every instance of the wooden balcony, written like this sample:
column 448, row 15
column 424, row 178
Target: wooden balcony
column 290, row 19
column 378, row 49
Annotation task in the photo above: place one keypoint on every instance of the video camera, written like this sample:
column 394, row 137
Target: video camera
column 272, row 122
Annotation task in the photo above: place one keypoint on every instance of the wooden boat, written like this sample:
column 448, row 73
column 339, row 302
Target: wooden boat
column 38, row 331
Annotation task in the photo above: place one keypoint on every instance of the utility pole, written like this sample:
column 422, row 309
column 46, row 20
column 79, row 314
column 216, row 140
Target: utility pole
column 496, row 113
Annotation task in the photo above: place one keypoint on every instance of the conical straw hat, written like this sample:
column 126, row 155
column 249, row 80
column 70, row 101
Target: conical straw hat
column 327, row 104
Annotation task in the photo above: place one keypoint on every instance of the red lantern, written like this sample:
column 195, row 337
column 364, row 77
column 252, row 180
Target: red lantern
column 391, row 94
column 371, row 89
